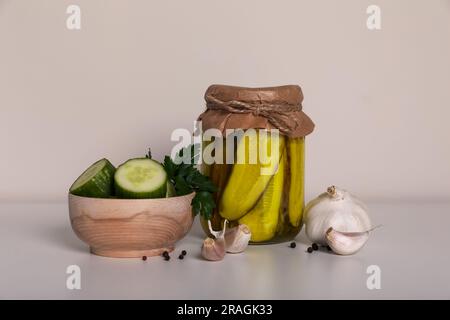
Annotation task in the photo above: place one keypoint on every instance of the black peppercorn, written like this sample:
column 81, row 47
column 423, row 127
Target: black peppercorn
column 310, row 249
column 315, row 246
column 181, row 257
column 183, row 252
column 165, row 254
column 144, row 258
column 167, row 258
column 293, row 245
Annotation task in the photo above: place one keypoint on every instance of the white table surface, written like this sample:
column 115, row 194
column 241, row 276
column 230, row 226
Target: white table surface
column 412, row 250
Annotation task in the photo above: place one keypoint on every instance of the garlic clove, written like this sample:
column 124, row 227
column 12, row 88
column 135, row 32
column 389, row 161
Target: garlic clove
column 237, row 238
column 213, row 249
column 346, row 243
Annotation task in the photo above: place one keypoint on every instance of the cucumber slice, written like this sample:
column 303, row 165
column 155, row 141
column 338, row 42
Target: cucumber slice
column 140, row 178
column 96, row 181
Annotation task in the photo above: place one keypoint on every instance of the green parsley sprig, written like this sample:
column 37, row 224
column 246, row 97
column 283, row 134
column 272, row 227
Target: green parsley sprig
column 186, row 179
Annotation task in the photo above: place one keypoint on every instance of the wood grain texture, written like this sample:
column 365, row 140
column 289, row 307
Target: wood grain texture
column 126, row 228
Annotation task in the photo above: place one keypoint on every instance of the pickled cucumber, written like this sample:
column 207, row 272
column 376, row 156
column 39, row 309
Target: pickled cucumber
column 296, row 148
column 246, row 196
column 246, row 183
column 263, row 218
column 218, row 173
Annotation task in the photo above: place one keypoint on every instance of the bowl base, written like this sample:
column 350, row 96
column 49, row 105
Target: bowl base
column 130, row 253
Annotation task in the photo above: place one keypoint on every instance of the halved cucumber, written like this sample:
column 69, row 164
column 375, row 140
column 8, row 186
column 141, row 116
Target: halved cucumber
column 96, row 182
column 140, row 178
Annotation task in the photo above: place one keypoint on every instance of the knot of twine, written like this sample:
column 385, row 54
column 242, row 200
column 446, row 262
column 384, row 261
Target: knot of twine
column 276, row 114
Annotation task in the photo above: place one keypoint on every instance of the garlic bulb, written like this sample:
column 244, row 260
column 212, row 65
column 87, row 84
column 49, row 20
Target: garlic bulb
column 213, row 249
column 237, row 238
column 336, row 209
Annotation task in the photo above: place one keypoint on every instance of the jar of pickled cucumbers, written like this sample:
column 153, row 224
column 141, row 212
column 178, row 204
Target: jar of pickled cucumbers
column 254, row 152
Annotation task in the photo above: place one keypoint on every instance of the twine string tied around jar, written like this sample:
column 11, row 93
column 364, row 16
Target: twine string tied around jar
column 277, row 114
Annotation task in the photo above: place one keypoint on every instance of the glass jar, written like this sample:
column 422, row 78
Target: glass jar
column 258, row 164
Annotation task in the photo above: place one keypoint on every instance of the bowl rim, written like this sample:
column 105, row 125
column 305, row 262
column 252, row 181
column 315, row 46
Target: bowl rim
column 74, row 196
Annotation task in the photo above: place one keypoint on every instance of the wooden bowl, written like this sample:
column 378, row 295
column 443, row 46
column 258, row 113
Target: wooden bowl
column 127, row 228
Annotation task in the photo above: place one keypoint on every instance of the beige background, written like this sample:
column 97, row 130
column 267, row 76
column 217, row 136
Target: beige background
column 138, row 69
